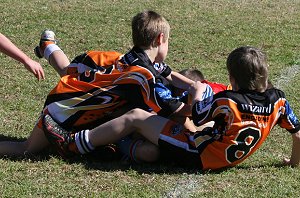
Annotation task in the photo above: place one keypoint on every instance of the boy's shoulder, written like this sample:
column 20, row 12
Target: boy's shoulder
column 137, row 57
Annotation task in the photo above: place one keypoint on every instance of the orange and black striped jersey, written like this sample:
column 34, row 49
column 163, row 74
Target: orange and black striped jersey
column 98, row 60
column 243, row 120
column 102, row 86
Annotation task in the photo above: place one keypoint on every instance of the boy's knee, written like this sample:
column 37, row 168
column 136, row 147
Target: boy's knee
column 137, row 114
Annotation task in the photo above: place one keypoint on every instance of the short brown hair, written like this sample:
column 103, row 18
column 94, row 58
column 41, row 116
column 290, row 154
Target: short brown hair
column 146, row 26
column 248, row 66
column 193, row 74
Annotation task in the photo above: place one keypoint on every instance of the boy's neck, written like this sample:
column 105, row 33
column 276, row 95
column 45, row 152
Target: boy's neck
column 151, row 52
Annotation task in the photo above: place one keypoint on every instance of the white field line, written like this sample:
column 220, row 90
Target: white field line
column 185, row 187
column 287, row 76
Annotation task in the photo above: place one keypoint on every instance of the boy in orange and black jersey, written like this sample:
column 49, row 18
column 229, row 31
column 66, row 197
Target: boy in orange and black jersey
column 109, row 83
column 244, row 116
column 243, row 119
column 146, row 90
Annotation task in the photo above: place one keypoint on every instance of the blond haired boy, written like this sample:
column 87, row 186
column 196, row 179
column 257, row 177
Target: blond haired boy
column 99, row 86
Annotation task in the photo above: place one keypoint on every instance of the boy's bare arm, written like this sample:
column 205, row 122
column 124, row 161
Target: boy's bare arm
column 179, row 81
column 10, row 49
column 295, row 156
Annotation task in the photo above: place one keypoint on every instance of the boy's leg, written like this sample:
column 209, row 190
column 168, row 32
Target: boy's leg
column 49, row 50
column 35, row 143
column 175, row 141
column 59, row 61
column 185, row 121
column 147, row 124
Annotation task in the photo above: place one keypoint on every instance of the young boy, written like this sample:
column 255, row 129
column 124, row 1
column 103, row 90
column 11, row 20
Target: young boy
column 8, row 48
column 243, row 119
column 107, row 84
column 197, row 75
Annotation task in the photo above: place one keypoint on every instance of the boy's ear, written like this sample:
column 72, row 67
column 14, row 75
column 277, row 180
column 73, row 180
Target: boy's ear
column 160, row 39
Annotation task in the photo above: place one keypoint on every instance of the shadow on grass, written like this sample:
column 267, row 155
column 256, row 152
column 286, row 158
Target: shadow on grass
column 168, row 168
column 260, row 166
column 157, row 168
column 108, row 162
column 104, row 160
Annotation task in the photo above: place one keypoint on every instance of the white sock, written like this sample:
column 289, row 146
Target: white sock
column 49, row 50
column 83, row 142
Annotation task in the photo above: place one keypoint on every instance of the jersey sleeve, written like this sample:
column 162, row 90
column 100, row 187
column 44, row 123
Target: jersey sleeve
column 201, row 111
column 163, row 69
column 165, row 99
column 289, row 120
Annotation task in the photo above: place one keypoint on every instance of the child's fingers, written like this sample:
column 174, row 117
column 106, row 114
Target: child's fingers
column 286, row 161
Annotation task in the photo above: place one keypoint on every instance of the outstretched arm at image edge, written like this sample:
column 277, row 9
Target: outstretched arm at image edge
column 8, row 48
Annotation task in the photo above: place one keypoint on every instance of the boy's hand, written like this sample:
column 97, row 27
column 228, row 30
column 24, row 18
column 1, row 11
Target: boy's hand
column 196, row 90
column 35, row 68
column 287, row 162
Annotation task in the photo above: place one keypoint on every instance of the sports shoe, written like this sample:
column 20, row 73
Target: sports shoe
column 47, row 37
column 59, row 137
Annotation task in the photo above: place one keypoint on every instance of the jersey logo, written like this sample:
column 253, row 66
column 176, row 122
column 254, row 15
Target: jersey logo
column 256, row 109
column 131, row 58
column 160, row 67
column 224, row 110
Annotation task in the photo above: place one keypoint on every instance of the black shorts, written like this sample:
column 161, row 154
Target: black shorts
column 176, row 145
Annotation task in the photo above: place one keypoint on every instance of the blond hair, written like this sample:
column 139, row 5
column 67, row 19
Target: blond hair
column 146, row 27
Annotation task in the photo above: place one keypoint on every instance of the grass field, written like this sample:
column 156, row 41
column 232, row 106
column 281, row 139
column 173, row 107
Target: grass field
column 202, row 35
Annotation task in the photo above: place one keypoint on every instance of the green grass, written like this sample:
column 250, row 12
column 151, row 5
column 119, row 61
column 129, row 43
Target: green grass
column 202, row 35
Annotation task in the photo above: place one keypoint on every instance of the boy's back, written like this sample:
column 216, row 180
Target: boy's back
column 109, row 89
column 243, row 120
